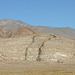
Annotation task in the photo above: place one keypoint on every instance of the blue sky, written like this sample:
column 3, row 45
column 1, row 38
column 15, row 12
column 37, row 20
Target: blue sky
column 55, row 13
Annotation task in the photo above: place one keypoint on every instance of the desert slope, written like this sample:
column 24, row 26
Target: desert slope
column 30, row 45
column 19, row 32
column 24, row 51
column 14, row 24
column 23, row 31
column 38, row 47
column 66, row 32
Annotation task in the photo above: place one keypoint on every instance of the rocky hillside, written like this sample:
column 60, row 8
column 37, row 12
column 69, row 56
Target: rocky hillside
column 22, row 31
column 40, row 47
column 19, row 32
column 14, row 24
column 5, row 33
column 24, row 51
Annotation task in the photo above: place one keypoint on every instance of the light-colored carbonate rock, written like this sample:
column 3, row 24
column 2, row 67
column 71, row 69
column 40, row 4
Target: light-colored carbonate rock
column 39, row 47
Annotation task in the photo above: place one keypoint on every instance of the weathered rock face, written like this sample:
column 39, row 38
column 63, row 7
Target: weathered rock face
column 23, row 31
column 20, row 32
column 39, row 47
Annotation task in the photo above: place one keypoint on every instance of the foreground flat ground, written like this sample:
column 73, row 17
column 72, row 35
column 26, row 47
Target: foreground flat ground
column 36, row 68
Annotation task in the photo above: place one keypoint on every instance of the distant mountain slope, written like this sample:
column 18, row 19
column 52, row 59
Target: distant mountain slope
column 66, row 32
column 22, row 31
column 19, row 32
column 14, row 24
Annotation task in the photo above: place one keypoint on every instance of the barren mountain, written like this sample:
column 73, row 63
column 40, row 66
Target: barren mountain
column 34, row 51
column 38, row 47
column 66, row 32
column 19, row 32
column 22, row 31
column 14, row 24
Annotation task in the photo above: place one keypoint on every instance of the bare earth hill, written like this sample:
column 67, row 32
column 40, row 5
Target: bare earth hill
column 19, row 32
column 24, row 51
column 33, row 53
column 38, row 47
column 14, row 24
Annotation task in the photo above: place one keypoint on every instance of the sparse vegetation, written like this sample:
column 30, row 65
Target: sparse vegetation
column 38, row 72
